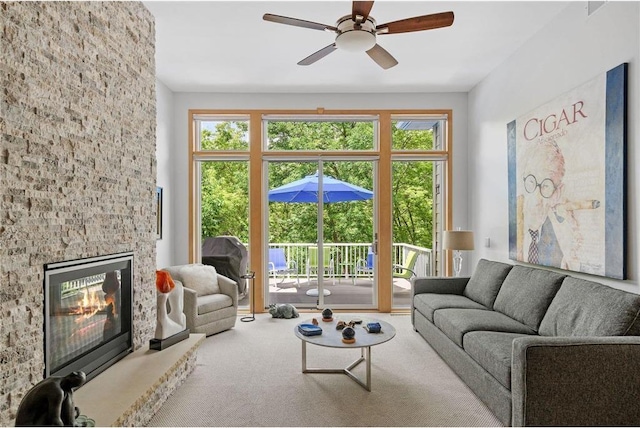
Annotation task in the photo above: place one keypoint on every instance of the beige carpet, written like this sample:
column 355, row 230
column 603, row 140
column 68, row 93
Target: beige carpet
column 251, row 376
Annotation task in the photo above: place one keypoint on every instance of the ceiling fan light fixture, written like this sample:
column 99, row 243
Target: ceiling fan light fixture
column 356, row 37
column 357, row 31
column 356, row 41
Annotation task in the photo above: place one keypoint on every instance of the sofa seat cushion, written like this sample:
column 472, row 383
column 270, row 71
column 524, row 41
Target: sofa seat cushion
column 213, row 302
column 586, row 308
column 527, row 293
column 484, row 284
column 428, row 303
column 492, row 350
column 455, row 323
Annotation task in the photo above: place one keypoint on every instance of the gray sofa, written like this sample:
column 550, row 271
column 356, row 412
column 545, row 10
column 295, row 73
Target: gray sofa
column 537, row 347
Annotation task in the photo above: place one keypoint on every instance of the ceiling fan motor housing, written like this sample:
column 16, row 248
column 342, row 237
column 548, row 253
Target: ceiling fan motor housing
column 353, row 37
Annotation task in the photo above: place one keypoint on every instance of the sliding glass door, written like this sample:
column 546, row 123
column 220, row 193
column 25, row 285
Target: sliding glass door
column 320, row 248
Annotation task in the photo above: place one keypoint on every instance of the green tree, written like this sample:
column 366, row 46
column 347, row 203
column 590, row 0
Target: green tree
column 225, row 184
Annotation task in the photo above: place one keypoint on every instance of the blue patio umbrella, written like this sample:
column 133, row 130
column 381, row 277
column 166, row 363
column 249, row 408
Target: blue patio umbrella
column 306, row 190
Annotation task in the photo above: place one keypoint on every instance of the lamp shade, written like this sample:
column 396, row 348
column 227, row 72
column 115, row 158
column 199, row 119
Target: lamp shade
column 457, row 240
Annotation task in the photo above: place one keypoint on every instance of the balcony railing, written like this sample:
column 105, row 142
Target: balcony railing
column 344, row 257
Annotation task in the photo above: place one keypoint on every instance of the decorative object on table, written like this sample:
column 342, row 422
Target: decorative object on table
column 567, row 179
column 50, row 402
column 327, row 315
column 314, row 321
column 348, row 335
column 373, row 327
column 342, row 324
column 283, row 310
column 457, row 240
column 357, row 320
column 170, row 325
column 309, row 329
column 250, row 276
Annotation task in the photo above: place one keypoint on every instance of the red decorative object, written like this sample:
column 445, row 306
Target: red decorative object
column 164, row 282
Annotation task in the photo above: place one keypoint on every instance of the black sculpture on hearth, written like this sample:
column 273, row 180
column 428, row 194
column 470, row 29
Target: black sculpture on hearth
column 50, row 402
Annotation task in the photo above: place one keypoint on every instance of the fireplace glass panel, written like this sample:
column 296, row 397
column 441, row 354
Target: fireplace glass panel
column 88, row 314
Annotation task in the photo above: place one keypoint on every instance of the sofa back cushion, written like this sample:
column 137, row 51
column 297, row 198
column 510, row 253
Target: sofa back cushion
column 526, row 293
column 203, row 279
column 484, row 284
column 587, row 308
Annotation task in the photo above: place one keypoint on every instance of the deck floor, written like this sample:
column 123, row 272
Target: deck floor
column 343, row 292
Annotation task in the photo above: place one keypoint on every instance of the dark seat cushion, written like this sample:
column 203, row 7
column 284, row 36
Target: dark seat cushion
column 492, row 350
column 526, row 293
column 484, row 284
column 455, row 323
column 587, row 308
column 427, row 303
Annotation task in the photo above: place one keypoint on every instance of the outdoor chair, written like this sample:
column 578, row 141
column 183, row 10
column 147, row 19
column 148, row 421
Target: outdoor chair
column 406, row 270
column 278, row 265
column 327, row 261
column 363, row 267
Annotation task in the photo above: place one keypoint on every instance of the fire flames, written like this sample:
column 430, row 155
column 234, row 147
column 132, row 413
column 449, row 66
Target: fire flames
column 89, row 305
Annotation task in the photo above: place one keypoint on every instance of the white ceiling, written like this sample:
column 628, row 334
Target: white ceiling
column 226, row 46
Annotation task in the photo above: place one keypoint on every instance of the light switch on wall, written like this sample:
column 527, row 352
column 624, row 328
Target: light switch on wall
column 487, row 242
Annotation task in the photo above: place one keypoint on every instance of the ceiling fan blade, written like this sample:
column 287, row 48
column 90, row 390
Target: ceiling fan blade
column 382, row 57
column 361, row 8
column 297, row 22
column 417, row 23
column 318, row 55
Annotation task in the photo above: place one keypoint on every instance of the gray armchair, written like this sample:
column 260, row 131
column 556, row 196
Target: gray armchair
column 209, row 313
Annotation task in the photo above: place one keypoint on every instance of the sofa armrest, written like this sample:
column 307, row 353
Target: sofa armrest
column 574, row 381
column 438, row 285
column 229, row 287
column 190, row 307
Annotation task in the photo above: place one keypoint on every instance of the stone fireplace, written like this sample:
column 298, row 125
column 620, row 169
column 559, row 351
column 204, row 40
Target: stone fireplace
column 77, row 164
column 87, row 314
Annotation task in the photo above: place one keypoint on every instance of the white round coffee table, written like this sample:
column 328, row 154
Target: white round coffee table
column 332, row 338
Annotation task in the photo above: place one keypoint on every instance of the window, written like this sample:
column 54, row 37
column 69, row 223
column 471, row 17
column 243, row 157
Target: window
column 231, row 155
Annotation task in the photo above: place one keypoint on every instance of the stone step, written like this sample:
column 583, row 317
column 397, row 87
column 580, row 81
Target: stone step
column 131, row 391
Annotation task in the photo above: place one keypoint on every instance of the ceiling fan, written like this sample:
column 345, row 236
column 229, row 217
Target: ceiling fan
column 357, row 32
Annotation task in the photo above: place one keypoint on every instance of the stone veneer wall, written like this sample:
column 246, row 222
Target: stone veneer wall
column 77, row 162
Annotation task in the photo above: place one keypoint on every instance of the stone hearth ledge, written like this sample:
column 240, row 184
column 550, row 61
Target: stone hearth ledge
column 131, row 391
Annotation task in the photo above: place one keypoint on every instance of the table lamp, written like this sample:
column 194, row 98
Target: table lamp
column 457, row 240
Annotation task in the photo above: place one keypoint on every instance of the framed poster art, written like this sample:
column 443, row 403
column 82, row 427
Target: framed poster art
column 567, row 181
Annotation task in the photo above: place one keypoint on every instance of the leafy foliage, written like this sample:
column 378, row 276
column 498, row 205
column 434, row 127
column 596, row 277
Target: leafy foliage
column 225, row 199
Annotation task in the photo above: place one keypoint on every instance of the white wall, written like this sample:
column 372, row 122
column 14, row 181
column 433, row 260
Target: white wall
column 164, row 137
column 570, row 50
column 185, row 101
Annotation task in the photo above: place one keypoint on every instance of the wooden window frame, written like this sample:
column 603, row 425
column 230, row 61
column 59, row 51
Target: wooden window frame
column 256, row 154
